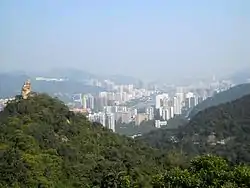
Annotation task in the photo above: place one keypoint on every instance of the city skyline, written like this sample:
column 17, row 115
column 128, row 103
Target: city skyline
column 148, row 40
column 120, row 106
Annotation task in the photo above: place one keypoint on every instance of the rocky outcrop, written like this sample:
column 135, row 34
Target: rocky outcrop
column 26, row 89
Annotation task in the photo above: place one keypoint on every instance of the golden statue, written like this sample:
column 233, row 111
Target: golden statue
column 26, row 89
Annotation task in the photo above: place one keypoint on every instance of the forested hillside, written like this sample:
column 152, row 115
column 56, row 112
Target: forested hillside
column 44, row 145
column 222, row 130
column 222, row 97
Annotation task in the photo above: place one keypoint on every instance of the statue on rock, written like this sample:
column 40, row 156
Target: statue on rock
column 26, row 89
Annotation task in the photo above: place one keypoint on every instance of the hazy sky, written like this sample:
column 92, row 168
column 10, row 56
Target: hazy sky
column 145, row 38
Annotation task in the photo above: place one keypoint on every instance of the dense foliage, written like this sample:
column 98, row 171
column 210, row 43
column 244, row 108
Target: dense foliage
column 222, row 97
column 205, row 171
column 130, row 129
column 222, row 130
column 43, row 144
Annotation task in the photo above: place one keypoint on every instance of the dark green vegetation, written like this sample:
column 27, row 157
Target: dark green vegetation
column 222, row 97
column 176, row 122
column 130, row 129
column 44, row 145
column 145, row 127
column 205, row 171
column 223, row 130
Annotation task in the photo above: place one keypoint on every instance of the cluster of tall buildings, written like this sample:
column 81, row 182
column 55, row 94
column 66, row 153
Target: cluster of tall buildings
column 118, row 96
column 106, row 119
column 110, row 107
column 168, row 106
column 113, row 114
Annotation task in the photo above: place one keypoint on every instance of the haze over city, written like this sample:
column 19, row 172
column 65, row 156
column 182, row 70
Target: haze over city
column 146, row 39
column 124, row 93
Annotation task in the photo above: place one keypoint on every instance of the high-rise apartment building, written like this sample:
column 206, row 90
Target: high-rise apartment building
column 150, row 112
column 90, row 101
column 110, row 121
column 159, row 100
column 171, row 111
column 108, row 109
column 84, row 101
column 166, row 113
column 190, row 100
column 179, row 102
column 106, row 119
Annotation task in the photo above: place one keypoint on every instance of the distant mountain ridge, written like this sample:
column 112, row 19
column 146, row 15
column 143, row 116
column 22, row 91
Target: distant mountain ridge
column 10, row 85
column 233, row 93
column 10, row 82
column 80, row 75
column 72, row 74
column 122, row 79
column 241, row 76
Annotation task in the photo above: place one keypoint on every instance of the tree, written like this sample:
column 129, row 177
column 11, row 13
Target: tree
column 43, row 144
column 205, row 171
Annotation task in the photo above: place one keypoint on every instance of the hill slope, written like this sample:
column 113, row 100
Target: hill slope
column 43, row 144
column 222, row 97
column 223, row 130
column 241, row 76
